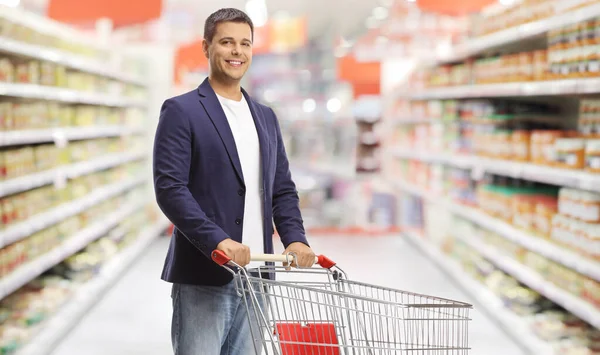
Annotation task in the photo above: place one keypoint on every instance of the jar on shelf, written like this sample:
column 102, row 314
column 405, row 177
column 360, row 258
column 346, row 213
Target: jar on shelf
column 521, row 142
column 546, row 208
column 594, row 241
column 570, row 153
column 592, row 156
column 589, row 210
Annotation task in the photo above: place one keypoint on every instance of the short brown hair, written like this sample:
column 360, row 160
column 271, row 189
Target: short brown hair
column 225, row 15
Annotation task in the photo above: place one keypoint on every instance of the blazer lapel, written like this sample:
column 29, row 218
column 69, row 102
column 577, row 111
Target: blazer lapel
column 213, row 108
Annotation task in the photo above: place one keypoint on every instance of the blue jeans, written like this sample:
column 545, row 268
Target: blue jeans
column 212, row 320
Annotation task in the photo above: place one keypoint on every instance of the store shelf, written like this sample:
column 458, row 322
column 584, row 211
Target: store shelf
column 517, row 89
column 516, row 34
column 39, row 92
column 74, row 243
column 44, row 220
column 579, row 307
column 526, row 171
column 338, row 169
column 547, row 249
column 62, row 173
column 69, row 60
column 8, row 138
column 515, row 326
column 57, row 328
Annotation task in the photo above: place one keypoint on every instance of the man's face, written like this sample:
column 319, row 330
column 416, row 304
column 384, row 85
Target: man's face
column 230, row 51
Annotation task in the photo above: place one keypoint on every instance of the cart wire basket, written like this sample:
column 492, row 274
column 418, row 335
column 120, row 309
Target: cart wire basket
column 319, row 311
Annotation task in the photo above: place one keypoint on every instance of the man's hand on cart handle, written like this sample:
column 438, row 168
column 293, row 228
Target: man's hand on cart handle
column 303, row 255
column 239, row 253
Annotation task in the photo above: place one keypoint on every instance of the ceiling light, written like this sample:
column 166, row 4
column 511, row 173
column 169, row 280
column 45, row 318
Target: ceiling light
column 257, row 10
column 334, row 105
column 371, row 22
column 10, row 3
column 380, row 13
column 411, row 0
column 506, row 2
column 381, row 40
column 269, row 95
column 309, row 105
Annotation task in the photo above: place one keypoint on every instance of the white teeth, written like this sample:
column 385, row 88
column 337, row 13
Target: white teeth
column 235, row 63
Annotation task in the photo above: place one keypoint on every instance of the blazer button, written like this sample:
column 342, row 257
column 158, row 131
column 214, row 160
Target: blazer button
column 238, row 221
column 241, row 192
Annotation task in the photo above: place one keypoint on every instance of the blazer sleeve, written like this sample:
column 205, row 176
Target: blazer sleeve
column 172, row 156
column 286, row 203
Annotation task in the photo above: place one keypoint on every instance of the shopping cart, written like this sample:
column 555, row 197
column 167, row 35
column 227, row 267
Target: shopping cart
column 319, row 311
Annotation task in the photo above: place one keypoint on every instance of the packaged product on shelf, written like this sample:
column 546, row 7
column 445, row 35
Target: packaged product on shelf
column 7, row 70
column 553, row 325
column 48, row 74
column 28, row 72
column 570, row 153
column 592, row 155
column 546, row 207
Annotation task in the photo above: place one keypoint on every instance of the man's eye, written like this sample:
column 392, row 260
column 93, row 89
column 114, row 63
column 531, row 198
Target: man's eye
column 247, row 44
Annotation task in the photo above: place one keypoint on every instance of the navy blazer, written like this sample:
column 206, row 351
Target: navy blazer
column 199, row 184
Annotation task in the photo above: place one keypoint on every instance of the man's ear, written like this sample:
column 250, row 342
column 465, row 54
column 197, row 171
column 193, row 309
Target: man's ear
column 205, row 47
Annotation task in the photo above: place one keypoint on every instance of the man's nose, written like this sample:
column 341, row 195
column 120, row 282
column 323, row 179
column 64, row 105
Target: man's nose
column 236, row 49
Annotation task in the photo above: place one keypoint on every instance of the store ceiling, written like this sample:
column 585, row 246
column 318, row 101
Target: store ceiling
column 185, row 18
column 344, row 17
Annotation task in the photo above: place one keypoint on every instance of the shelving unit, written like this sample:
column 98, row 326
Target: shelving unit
column 516, row 34
column 575, row 305
column 513, row 325
column 526, row 171
column 76, row 242
column 89, row 294
column 540, row 95
column 69, row 60
column 552, row 251
column 95, row 81
column 36, row 223
column 50, row 93
column 60, row 174
column 20, row 137
column 518, row 89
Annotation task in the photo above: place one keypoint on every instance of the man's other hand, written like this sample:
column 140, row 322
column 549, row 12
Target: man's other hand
column 304, row 254
column 239, row 253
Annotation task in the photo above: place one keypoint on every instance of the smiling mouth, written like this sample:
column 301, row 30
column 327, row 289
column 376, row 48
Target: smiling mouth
column 235, row 63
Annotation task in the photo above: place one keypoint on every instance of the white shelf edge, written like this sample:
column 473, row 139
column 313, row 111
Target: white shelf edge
column 25, row 273
column 574, row 304
column 70, row 60
column 9, row 138
column 538, row 245
column 515, row 34
column 527, row 171
column 43, row 220
column 534, row 88
column 33, row 91
column 513, row 325
column 59, row 326
column 42, row 178
column 335, row 168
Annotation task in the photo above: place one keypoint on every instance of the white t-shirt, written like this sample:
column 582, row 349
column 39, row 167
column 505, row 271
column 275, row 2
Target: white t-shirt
column 248, row 148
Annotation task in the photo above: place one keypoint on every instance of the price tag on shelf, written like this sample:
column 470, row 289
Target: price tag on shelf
column 477, row 172
column 60, row 138
column 60, row 179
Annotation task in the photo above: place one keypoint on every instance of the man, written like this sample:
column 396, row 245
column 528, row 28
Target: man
column 221, row 175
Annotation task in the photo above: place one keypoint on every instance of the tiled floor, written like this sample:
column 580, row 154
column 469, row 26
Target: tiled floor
column 134, row 318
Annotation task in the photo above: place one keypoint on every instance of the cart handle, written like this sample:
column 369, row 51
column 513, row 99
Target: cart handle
column 221, row 258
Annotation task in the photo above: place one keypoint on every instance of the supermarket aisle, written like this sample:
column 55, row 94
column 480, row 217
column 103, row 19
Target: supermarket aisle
column 134, row 318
